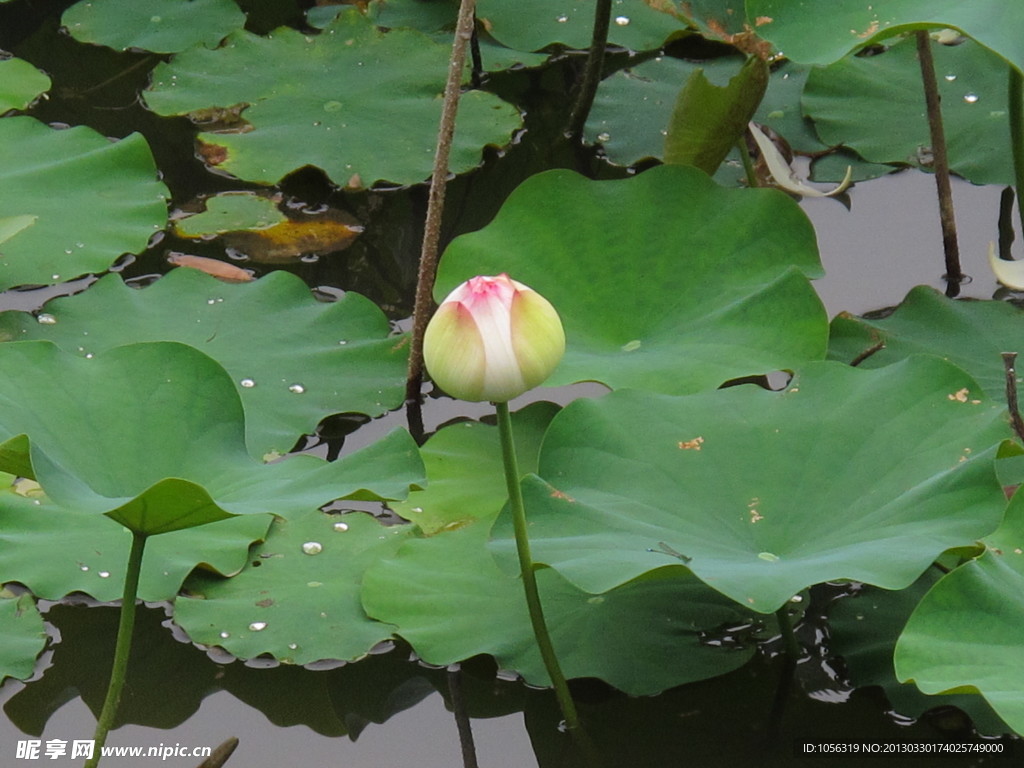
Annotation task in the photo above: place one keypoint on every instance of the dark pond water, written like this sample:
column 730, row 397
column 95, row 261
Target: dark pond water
column 388, row 711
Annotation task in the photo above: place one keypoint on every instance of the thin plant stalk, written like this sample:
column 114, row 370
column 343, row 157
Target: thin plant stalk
column 527, row 569
column 954, row 274
column 122, row 648
column 748, row 164
column 592, row 71
column 1016, row 107
column 424, row 302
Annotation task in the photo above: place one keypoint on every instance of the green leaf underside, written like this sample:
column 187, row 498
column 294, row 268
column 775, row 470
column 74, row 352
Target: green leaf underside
column 451, row 602
column 38, row 553
column 964, row 635
column 331, row 95
column 339, row 353
column 710, row 312
column 125, row 432
column 93, row 200
column 846, row 474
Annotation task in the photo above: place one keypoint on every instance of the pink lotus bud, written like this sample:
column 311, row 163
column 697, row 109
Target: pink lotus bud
column 492, row 339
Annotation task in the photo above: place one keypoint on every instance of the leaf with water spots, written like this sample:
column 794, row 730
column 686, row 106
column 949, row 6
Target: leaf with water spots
column 357, row 102
column 153, row 435
column 298, row 598
column 162, row 26
column 293, row 360
column 92, row 200
column 844, row 474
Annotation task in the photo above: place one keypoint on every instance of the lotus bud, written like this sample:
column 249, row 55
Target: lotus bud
column 492, row 339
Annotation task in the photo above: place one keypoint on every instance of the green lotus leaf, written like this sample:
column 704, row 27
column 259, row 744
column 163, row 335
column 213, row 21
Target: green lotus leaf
column 123, row 432
column 708, row 121
column 292, row 360
column 875, row 106
column 298, row 599
column 162, row 26
column 863, row 632
column 964, row 636
column 824, row 33
column 360, row 104
column 844, row 474
column 530, row 25
column 451, row 602
column 20, row 84
column 465, row 472
column 230, row 212
column 92, row 199
column 730, row 300
column 632, row 108
column 436, row 19
column 971, row 334
column 94, row 559
column 22, row 637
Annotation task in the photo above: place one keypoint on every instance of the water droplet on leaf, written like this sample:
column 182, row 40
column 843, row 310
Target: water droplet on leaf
column 257, row 626
column 622, row 20
column 312, row 548
column 341, row 526
column 298, row 389
column 971, row 98
column 247, row 383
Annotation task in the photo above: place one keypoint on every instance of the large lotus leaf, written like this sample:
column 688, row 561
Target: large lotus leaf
column 863, row 630
column 20, row 84
column 825, row 32
column 118, row 433
column 451, row 602
column 22, row 637
column 964, row 636
column 293, row 360
column 93, row 200
column 465, row 472
column 875, row 106
column 38, row 553
column 844, row 474
column 163, row 26
column 713, row 288
column 436, row 19
column 972, row 334
column 530, row 25
column 360, row 104
column 298, row 600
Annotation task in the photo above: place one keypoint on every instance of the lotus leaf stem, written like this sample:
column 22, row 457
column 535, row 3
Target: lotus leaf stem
column 592, row 71
column 1016, row 107
column 528, row 571
column 122, row 648
column 424, row 303
column 954, row 274
column 748, row 164
column 1009, row 365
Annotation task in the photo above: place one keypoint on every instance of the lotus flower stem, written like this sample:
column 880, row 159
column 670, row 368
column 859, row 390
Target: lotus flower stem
column 1009, row 365
column 592, row 70
column 526, row 567
column 424, row 302
column 954, row 275
column 1016, row 107
column 748, row 164
column 122, row 648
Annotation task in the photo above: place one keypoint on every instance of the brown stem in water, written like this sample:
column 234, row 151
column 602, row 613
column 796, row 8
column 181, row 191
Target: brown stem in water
column 462, row 720
column 954, row 275
column 592, row 71
column 1009, row 360
column 424, row 304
